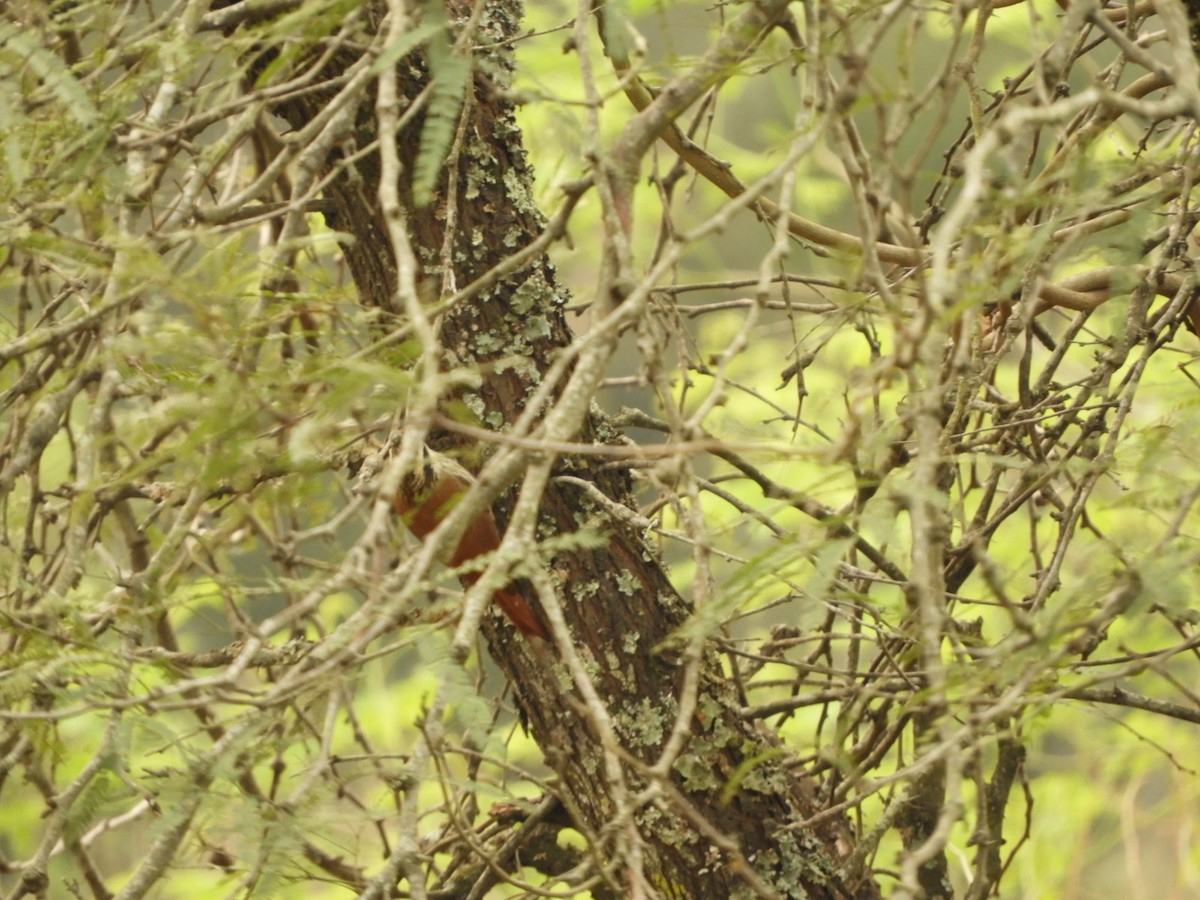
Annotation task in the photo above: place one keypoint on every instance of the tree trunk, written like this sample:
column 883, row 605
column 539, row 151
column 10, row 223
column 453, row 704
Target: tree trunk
column 728, row 818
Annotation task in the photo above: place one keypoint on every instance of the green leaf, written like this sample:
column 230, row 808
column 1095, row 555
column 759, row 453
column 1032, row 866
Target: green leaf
column 14, row 156
column 451, row 74
column 408, row 42
column 18, row 50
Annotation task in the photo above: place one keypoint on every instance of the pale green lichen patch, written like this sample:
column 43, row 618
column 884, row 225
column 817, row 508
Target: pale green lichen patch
column 645, row 724
column 764, row 774
column 802, row 858
column 591, row 764
column 796, row 858
column 522, row 365
column 623, row 673
column 562, row 675
column 529, row 293
column 709, row 710
column 591, row 666
column 667, row 827
column 516, row 187
column 695, row 766
column 487, row 343
column 584, row 591
column 613, row 661
column 536, row 328
column 475, row 404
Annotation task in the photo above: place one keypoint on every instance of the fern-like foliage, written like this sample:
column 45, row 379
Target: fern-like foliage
column 451, row 73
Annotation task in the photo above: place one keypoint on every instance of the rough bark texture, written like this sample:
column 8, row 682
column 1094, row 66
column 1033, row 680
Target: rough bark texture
column 618, row 599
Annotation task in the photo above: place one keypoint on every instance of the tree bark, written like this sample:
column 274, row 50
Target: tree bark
column 698, row 835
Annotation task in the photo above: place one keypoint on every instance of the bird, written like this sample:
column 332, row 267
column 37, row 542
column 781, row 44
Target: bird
column 426, row 496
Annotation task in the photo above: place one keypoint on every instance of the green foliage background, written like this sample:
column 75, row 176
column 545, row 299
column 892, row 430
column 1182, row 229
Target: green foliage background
column 1113, row 794
column 209, row 399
